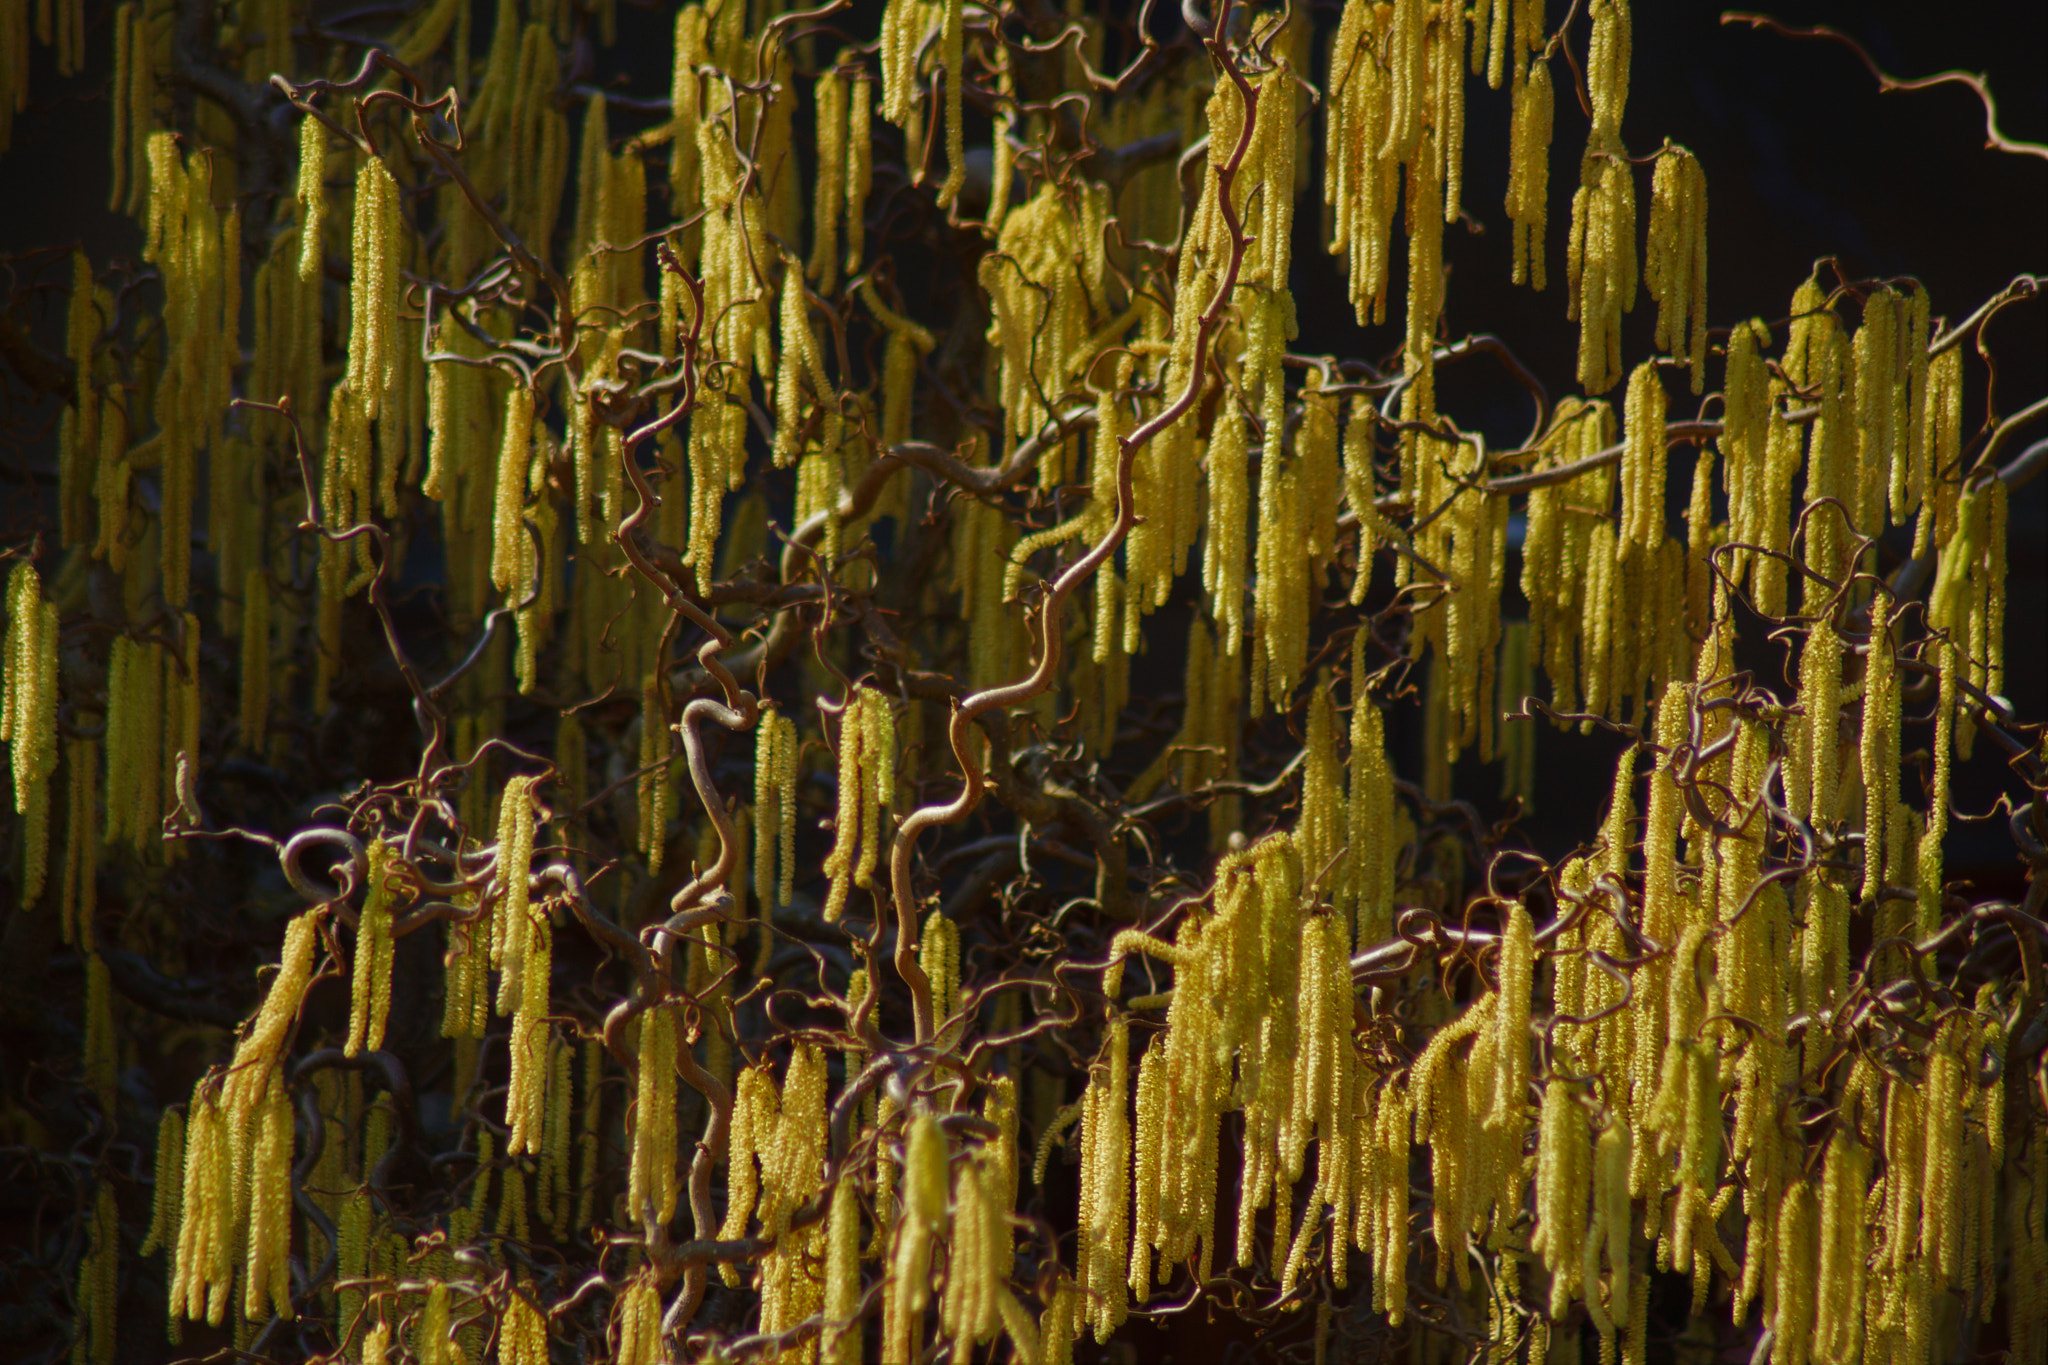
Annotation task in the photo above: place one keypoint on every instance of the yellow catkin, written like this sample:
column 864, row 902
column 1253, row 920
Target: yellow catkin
column 373, row 296
column 1224, row 545
column 262, row 1046
column 800, row 365
column 775, row 779
column 1564, row 1151
column 1370, row 809
column 953, row 61
column 834, row 154
column 510, row 549
column 28, row 718
column 640, row 1323
column 842, row 1343
column 1912, row 478
column 370, row 980
column 860, row 165
column 651, row 1186
column 1601, row 263
column 203, row 1275
column 167, row 1198
column 312, row 196
column 1362, row 182
column 1105, row 1180
column 938, row 952
column 1675, row 264
column 525, row 959
column 867, row 781
column 267, row 1283
column 513, row 925
column 1529, row 167
column 925, row 1189
column 655, row 789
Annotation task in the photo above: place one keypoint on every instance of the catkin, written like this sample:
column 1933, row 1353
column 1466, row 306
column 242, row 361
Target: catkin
column 1675, row 262
column 28, row 716
column 867, row 782
column 370, row 981
column 1529, row 168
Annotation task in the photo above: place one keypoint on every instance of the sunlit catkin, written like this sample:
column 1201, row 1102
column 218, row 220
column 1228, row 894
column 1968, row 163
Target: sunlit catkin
column 370, row 980
column 512, row 919
column 1375, row 846
column 1675, row 263
column 312, row 195
column 640, row 1323
column 203, row 1276
column 938, row 953
column 510, row 553
column 925, row 1189
column 1601, row 263
column 373, row 296
column 842, row 1344
column 1105, row 1186
column 651, row 1172
column 1529, row 168
column 28, row 718
column 775, row 802
column 267, row 1282
column 867, row 782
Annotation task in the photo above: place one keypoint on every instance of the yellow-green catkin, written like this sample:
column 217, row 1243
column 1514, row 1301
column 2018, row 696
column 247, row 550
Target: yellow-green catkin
column 925, row 1191
column 775, row 801
column 1675, row 264
column 28, row 716
column 370, row 981
column 1529, row 164
column 867, row 782
column 1602, row 263
column 651, row 1173
column 1374, row 845
column 1323, row 827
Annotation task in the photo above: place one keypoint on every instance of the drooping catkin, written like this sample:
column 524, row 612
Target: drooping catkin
column 167, row 1197
column 860, row 164
column 202, row 1279
column 651, row 1172
column 1529, row 168
column 1105, row 1180
column 953, row 62
column 1601, row 263
column 925, row 1189
column 267, row 1282
column 28, row 716
column 1675, row 263
column 370, row 979
column 835, row 154
column 510, row 549
column 1370, row 810
column 640, row 1323
column 373, row 291
column 867, row 782
column 775, row 801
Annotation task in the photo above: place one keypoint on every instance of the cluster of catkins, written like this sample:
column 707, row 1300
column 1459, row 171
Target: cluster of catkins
column 1719, row 1040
